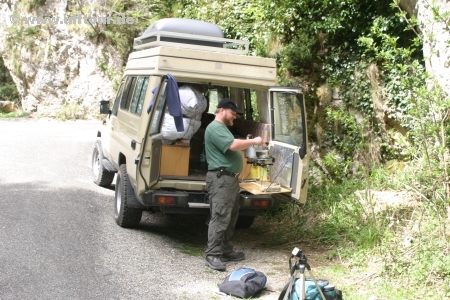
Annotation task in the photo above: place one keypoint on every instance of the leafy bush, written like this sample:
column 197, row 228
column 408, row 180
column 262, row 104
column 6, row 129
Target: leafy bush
column 8, row 91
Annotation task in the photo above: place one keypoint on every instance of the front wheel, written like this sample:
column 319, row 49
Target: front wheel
column 125, row 216
column 100, row 174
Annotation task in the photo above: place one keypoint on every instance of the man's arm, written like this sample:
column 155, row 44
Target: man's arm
column 238, row 144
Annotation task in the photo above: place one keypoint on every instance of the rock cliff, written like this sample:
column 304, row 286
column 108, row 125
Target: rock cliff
column 56, row 68
column 431, row 16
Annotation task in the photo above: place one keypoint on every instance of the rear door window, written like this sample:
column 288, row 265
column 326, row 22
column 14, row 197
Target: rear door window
column 288, row 118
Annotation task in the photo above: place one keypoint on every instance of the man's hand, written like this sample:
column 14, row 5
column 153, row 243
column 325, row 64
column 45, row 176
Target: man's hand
column 257, row 141
column 241, row 144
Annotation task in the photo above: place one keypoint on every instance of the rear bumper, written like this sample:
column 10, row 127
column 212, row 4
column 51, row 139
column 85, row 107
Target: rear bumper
column 198, row 202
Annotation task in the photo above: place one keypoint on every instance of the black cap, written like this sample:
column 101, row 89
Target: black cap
column 228, row 103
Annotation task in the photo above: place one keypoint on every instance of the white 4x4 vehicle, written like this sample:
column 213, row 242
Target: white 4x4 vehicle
column 162, row 169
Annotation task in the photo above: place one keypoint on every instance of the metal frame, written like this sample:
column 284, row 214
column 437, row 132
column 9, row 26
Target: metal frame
column 229, row 45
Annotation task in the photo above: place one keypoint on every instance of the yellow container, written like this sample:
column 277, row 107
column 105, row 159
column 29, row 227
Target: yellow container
column 254, row 172
column 263, row 174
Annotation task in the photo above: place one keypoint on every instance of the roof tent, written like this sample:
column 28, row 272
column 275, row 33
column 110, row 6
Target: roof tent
column 188, row 33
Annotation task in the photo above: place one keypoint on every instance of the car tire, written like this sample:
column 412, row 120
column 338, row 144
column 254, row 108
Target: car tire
column 100, row 174
column 125, row 216
column 244, row 222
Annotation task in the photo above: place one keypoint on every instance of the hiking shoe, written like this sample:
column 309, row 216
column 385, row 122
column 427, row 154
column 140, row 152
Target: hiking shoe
column 233, row 256
column 214, row 262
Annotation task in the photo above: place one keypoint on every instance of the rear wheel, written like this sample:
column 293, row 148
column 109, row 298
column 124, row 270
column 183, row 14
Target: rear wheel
column 244, row 222
column 125, row 216
column 100, row 174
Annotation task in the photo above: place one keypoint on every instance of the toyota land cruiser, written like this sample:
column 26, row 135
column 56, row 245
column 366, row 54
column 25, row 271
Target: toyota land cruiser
column 161, row 168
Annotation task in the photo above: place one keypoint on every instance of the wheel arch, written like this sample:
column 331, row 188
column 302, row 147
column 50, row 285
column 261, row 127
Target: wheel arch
column 101, row 173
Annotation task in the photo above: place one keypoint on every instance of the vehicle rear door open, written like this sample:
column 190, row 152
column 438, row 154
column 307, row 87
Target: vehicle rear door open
column 288, row 144
column 148, row 164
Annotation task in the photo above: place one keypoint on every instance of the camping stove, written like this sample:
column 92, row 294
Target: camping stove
column 261, row 157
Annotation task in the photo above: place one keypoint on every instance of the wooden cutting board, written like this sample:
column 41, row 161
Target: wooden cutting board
column 255, row 188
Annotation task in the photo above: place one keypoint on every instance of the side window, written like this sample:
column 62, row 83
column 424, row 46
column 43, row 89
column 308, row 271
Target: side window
column 138, row 96
column 288, row 118
column 117, row 101
column 215, row 94
column 127, row 92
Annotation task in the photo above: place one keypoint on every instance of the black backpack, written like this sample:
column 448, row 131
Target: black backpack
column 244, row 283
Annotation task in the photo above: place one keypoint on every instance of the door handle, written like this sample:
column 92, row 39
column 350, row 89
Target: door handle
column 133, row 144
column 303, row 182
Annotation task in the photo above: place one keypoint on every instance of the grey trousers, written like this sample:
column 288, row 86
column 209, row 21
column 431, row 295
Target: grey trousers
column 224, row 205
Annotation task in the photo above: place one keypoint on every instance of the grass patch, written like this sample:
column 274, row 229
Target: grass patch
column 367, row 249
column 191, row 251
column 14, row 114
column 71, row 111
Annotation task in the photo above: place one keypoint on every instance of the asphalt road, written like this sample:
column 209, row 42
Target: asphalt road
column 58, row 238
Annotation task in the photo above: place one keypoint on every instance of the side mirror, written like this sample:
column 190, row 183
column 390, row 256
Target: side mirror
column 104, row 107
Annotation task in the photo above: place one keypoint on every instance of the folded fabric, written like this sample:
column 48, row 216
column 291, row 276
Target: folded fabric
column 173, row 102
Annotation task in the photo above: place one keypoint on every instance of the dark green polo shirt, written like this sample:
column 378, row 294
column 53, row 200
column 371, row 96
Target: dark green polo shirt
column 217, row 141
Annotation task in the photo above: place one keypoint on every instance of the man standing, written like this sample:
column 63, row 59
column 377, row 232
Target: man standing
column 223, row 154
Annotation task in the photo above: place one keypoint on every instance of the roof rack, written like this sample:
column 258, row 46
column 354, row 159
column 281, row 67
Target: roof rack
column 191, row 41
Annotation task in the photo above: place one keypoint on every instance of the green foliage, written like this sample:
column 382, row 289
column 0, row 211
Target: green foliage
column 8, row 91
column 418, row 103
column 244, row 19
column 347, row 135
column 298, row 59
column 121, row 36
column 114, row 74
column 418, row 254
column 31, row 5
column 71, row 111
column 20, row 36
column 397, row 66
column 336, row 165
column 254, row 104
column 15, row 114
column 336, row 214
column 405, row 245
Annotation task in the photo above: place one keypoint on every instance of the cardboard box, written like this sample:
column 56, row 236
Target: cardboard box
column 174, row 160
column 245, row 168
